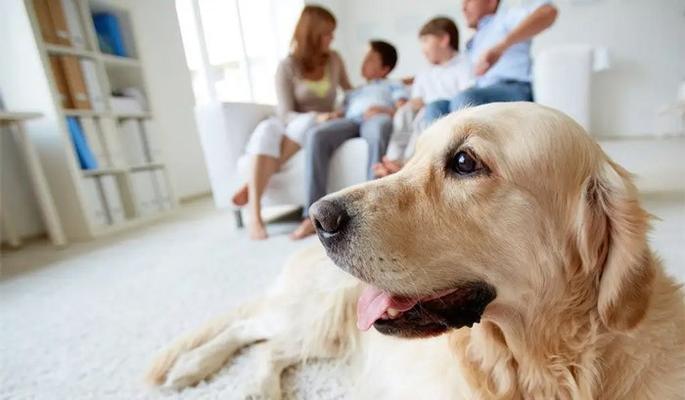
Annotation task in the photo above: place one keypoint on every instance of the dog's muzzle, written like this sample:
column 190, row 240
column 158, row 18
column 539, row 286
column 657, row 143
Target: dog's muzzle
column 330, row 219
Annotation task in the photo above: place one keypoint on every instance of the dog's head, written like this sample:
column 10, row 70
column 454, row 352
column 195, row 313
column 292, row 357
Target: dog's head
column 505, row 202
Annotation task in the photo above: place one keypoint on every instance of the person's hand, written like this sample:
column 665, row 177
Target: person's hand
column 399, row 103
column 416, row 104
column 489, row 58
column 327, row 116
column 375, row 110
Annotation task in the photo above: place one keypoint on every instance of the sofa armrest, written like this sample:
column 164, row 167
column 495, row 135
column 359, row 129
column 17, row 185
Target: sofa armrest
column 225, row 129
column 242, row 119
column 562, row 77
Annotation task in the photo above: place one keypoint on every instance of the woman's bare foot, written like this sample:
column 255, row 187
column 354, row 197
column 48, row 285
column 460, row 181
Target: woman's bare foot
column 305, row 229
column 257, row 230
column 240, row 197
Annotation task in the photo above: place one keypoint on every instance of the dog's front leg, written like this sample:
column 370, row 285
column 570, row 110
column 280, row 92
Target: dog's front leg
column 196, row 365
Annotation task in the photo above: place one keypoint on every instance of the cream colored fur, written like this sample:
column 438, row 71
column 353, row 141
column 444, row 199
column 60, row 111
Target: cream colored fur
column 584, row 309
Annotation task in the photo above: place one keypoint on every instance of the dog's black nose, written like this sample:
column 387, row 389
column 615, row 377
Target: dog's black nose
column 328, row 216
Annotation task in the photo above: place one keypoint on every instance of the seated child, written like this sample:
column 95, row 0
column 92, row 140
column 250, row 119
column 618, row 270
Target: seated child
column 448, row 74
column 379, row 95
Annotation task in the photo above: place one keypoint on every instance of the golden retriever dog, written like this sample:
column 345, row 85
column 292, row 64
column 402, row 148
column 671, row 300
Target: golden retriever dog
column 507, row 260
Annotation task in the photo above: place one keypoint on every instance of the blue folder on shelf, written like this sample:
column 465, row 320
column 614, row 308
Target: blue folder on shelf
column 109, row 34
column 85, row 156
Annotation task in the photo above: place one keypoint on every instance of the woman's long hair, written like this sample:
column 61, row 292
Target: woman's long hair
column 314, row 23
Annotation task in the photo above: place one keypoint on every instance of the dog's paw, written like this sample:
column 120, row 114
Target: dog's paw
column 267, row 388
column 191, row 368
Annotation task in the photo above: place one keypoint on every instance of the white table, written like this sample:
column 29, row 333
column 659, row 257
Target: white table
column 38, row 181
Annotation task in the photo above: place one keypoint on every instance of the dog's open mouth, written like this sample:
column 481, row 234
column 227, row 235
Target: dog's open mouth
column 423, row 316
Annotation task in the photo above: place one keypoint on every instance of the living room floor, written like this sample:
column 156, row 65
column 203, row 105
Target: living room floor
column 85, row 321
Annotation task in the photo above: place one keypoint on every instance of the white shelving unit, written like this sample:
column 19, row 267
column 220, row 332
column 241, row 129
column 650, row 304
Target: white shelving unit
column 77, row 191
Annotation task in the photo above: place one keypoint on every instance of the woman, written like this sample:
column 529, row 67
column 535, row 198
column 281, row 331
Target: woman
column 306, row 87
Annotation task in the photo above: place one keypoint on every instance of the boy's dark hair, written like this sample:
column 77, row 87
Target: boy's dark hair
column 439, row 26
column 387, row 52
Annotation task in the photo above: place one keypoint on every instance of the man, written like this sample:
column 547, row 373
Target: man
column 499, row 52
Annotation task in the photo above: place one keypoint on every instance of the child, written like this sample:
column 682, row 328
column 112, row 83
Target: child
column 448, row 74
column 368, row 111
column 379, row 95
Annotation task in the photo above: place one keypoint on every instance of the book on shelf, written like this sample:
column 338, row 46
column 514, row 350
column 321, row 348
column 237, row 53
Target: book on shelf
column 83, row 152
column 95, row 94
column 95, row 201
column 60, row 81
column 109, row 34
column 47, row 29
column 73, row 20
column 75, row 82
column 132, row 141
column 112, row 142
column 112, row 198
column 125, row 105
column 59, row 22
column 93, row 135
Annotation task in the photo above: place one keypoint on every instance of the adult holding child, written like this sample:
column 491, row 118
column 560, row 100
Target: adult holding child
column 307, row 83
column 499, row 52
column 367, row 112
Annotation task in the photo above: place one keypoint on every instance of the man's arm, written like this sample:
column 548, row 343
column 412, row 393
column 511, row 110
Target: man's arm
column 539, row 20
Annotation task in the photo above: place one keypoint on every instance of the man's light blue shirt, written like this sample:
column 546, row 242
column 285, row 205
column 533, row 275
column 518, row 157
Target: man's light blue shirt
column 515, row 63
column 379, row 92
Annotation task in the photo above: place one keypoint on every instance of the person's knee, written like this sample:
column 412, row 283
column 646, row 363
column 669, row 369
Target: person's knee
column 468, row 98
column 377, row 129
column 433, row 111
column 266, row 138
column 318, row 139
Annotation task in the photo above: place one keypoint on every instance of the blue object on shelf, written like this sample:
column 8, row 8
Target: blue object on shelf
column 109, row 34
column 85, row 156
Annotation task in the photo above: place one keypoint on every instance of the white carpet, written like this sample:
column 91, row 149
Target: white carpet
column 84, row 322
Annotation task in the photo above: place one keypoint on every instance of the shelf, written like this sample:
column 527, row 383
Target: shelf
column 141, row 167
column 67, row 50
column 84, row 113
column 18, row 116
column 103, row 114
column 122, row 61
column 102, row 171
column 138, row 115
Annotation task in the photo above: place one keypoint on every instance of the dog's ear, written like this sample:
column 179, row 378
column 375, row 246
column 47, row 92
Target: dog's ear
column 612, row 239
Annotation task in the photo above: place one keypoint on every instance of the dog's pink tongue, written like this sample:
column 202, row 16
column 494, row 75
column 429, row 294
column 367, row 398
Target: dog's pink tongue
column 373, row 303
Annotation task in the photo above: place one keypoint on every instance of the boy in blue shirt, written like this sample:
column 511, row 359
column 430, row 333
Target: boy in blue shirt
column 379, row 95
column 368, row 112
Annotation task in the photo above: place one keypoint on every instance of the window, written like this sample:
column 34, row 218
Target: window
column 233, row 46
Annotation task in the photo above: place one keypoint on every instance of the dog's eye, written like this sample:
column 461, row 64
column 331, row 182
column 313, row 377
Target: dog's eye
column 463, row 163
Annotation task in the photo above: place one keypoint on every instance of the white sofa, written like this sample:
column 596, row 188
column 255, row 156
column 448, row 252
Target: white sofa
column 561, row 80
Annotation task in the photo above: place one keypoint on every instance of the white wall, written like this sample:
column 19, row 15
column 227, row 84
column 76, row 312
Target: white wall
column 646, row 41
column 18, row 198
column 158, row 41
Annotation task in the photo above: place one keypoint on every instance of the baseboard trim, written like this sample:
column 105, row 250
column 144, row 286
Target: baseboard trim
column 195, row 197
